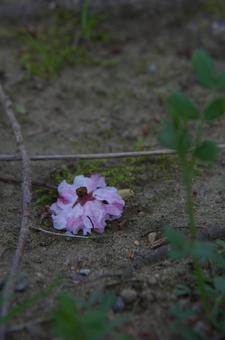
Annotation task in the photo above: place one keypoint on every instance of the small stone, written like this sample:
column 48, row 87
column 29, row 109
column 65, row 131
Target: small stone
column 118, row 305
column 22, row 282
column 152, row 68
column 152, row 281
column 137, row 243
column 152, row 238
column 128, row 295
column 201, row 328
column 84, row 271
column 218, row 28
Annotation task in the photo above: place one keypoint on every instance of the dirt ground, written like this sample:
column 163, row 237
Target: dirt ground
column 103, row 108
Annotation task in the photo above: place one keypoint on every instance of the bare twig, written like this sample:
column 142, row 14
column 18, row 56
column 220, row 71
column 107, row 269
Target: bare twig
column 107, row 155
column 59, row 234
column 26, row 199
column 90, row 155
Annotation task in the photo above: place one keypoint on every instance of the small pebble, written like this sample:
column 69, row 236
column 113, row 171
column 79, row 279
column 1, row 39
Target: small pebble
column 118, row 305
column 128, row 295
column 152, row 281
column 152, row 238
column 22, row 282
column 152, row 68
column 137, row 243
column 201, row 328
column 84, row 272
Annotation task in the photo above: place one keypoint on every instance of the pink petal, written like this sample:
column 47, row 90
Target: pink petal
column 97, row 182
column 74, row 219
column 67, row 194
column 111, row 201
column 110, row 195
column 81, row 181
column 59, row 221
column 94, row 216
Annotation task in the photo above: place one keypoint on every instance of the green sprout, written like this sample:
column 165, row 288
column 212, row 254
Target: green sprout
column 178, row 133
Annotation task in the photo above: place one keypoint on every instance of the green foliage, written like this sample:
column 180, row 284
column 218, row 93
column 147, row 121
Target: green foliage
column 30, row 302
column 84, row 321
column 20, row 108
column 205, row 71
column 215, row 109
column 207, row 151
column 180, row 326
column 167, row 135
column 175, row 133
column 58, row 45
column 215, row 7
column 180, row 244
column 180, row 106
column 182, row 290
column 88, row 21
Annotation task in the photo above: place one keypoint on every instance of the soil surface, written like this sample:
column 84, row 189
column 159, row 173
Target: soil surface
column 114, row 106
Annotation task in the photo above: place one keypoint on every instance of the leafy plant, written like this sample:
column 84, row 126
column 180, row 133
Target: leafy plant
column 60, row 42
column 177, row 133
column 88, row 21
column 84, row 320
column 34, row 299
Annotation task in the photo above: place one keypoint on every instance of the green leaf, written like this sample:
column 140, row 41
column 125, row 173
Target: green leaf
column 180, row 244
column 181, row 106
column 221, row 81
column 167, row 135
column 204, row 69
column 68, row 320
column 183, row 141
column 179, row 312
column 203, row 250
column 20, row 108
column 219, row 283
column 182, row 290
column 215, row 109
column 207, row 251
column 207, row 151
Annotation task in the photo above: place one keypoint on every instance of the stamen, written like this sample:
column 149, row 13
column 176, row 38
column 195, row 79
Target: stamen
column 81, row 192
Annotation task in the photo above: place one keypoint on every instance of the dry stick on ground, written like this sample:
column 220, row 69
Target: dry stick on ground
column 107, row 155
column 91, row 156
column 26, row 200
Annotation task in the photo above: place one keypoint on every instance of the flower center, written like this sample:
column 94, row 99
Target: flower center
column 83, row 195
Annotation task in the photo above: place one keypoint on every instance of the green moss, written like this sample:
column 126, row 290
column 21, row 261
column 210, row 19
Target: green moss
column 215, row 7
column 56, row 45
column 123, row 174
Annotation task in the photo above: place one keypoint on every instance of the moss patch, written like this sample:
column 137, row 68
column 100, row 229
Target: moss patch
column 127, row 173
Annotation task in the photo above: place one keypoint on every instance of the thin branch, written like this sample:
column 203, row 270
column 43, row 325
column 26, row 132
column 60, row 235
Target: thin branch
column 26, row 200
column 59, row 234
column 107, row 155
column 90, row 155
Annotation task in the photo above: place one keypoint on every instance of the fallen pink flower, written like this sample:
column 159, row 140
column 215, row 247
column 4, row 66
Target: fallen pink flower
column 86, row 205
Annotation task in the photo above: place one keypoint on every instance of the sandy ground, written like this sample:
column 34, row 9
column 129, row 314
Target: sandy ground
column 101, row 109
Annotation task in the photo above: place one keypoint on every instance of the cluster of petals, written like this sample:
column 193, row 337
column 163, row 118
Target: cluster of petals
column 86, row 205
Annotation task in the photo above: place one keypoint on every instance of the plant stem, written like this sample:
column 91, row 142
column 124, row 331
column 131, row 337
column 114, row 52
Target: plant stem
column 187, row 169
column 187, row 181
